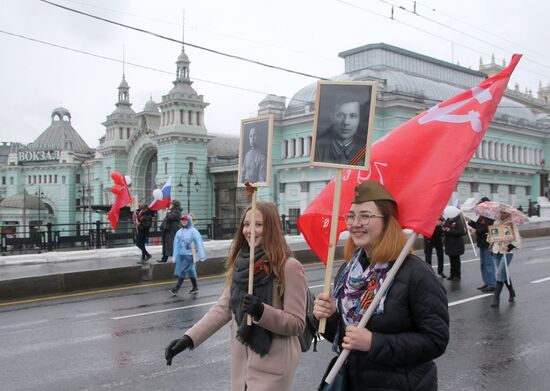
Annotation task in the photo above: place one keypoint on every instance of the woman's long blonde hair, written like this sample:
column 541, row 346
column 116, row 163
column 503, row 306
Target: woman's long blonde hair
column 273, row 243
column 391, row 241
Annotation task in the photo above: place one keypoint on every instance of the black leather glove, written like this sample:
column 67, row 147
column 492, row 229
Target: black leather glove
column 177, row 346
column 253, row 306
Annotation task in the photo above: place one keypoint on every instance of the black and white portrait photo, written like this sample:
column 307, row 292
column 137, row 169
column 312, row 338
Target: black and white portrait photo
column 343, row 119
column 255, row 151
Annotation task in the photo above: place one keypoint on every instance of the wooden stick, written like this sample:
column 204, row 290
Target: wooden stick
column 332, row 239
column 505, row 260
column 252, row 248
column 468, row 231
column 368, row 313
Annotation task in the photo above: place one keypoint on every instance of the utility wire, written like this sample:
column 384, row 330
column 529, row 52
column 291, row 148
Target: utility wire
column 483, row 30
column 430, row 33
column 130, row 63
column 235, row 37
column 233, row 56
column 477, row 38
column 393, row 93
column 277, row 67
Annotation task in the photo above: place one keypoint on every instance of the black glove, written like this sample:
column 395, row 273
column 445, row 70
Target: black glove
column 177, row 346
column 253, row 306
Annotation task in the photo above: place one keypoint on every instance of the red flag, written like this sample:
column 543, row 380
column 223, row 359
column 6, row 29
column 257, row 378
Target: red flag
column 122, row 198
column 419, row 162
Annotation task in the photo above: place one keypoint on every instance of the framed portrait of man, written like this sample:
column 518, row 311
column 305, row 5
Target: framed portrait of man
column 255, row 151
column 344, row 118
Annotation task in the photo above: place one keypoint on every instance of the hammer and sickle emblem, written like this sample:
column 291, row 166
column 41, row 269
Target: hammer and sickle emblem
column 444, row 114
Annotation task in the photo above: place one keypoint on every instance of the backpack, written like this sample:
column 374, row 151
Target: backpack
column 310, row 334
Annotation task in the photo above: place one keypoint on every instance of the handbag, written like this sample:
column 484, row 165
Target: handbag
column 340, row 382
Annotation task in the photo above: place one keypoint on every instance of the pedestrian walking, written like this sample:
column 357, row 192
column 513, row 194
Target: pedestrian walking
column 265, row 354
column 436, row 241
column 454, row 231
column 144, row 220
column 502, row 252
column 169, row 226
column 486, row 264
column 410, row 326
column 185, row 238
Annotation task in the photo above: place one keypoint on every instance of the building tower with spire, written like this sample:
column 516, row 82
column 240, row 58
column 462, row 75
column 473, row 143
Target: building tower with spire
column 182, row 139
column 119, row 128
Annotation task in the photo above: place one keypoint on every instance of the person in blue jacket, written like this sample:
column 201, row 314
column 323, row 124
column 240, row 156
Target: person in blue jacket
column 183, row 254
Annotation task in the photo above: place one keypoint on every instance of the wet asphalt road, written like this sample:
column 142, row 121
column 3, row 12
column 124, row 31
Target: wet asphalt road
column 115, row 340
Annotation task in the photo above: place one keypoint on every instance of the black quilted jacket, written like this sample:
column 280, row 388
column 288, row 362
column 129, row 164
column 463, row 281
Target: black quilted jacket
column 407, row 337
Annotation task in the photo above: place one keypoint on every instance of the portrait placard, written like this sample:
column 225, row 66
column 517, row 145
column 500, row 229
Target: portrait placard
column 500, row 233
column 255, row 151
column 344, row 117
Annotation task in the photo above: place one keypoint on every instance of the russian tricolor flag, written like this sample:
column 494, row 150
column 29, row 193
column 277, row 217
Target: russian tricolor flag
column 161, row 197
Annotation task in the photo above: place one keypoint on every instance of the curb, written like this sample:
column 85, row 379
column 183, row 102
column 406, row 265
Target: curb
column 50, row 284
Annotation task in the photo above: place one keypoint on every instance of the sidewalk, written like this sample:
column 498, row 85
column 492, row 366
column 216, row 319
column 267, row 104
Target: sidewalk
column 52, row 273
column 23, row 276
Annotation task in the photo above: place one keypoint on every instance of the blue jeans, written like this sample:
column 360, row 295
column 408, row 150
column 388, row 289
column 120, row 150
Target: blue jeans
column 501, row 271
column 487, row 266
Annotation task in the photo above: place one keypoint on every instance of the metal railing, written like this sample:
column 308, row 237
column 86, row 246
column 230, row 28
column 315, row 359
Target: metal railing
column 60, row 237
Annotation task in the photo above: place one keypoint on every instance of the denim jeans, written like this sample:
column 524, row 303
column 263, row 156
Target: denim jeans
column 487, row 266
column 499, row 263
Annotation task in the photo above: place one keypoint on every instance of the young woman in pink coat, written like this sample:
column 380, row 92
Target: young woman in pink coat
column 264, row 355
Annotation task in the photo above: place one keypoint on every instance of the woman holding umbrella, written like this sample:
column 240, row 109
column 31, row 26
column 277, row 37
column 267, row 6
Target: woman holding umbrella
column 502, row 249
column 509, row 217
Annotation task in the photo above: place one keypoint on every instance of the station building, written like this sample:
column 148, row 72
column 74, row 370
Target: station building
column 59, row 179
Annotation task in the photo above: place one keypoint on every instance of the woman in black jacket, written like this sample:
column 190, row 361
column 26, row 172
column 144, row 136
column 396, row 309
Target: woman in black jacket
column 454, row 230
column 170, row 226
column 144, row 220
column 410, row 326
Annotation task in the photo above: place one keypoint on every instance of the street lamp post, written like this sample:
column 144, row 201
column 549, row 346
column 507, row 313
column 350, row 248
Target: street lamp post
column 39, row 194
column 189, row 174
column 82, row 192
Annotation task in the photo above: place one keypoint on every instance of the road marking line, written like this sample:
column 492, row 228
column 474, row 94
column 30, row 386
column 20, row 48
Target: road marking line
column 166, row 310
column 464, row 261
column 469, row 299
column 541, row 280
column 541, row 248
column 171, row 282
column 181, row 308
column 317, row 286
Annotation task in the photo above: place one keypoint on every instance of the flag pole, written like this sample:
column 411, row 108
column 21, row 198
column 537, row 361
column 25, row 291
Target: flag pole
column 252, row 248
column 468, row 231
column 506, row 268
column 368, row 313
column 332, row 239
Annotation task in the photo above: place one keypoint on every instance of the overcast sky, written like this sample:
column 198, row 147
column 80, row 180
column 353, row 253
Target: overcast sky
column 301, row 35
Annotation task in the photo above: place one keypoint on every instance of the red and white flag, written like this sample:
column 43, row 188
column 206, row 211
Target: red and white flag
column 418, row 162
column 122, row 198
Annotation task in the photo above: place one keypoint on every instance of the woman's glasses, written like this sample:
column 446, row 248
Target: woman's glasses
column 361, row 218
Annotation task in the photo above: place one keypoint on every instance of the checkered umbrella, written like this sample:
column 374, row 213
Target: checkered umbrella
column 492, row 210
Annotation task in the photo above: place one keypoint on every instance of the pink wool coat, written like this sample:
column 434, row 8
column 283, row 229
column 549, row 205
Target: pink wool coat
column 285, row 318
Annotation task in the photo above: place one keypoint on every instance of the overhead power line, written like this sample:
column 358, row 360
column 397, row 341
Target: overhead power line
column 129, row 63
column 190, row 27
column 452, row 17
column 431, row 33
column 233, row 56
column 402, row 94
column 446, row 26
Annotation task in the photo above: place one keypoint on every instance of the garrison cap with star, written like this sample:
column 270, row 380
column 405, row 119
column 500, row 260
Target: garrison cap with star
column 371, row 191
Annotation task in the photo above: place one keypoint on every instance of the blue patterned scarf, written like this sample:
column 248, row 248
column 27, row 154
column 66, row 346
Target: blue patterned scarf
column 355, row 289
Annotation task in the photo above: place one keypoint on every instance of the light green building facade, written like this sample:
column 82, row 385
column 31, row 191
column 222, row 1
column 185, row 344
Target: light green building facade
column 59, row 179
